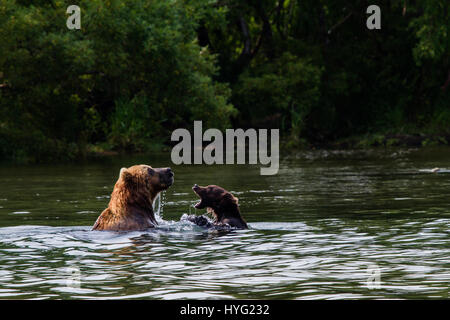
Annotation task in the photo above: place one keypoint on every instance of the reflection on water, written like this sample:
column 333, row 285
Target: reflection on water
column 316, row 229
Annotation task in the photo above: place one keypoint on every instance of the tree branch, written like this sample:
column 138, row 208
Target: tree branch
column 339, row 23
column 246, row 34
column 447, row 82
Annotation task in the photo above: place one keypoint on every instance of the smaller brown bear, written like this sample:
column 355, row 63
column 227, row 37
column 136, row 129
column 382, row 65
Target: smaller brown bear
column 131, row 204
column 221, row 203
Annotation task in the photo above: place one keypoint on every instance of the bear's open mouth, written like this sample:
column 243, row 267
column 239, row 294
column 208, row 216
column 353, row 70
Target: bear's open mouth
column 198, row 205
column 167, row 182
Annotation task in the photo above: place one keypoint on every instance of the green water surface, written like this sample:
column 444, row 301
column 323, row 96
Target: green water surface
column 327, row 226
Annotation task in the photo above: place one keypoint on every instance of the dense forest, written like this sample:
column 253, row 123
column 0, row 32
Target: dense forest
column 138, row 69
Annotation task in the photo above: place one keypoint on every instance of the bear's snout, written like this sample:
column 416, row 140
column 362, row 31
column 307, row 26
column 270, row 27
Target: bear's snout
column 168, row 176
column 200, row 192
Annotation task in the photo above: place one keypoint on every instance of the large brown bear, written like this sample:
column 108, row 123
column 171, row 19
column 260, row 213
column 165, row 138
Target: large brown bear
column 130, row 207
column 222, row 204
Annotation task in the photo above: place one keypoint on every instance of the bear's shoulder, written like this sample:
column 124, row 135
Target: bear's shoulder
column 105, row 219
column 113, row 222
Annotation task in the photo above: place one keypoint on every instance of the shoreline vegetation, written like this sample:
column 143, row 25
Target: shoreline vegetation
column 364, row 143
column 139, row 69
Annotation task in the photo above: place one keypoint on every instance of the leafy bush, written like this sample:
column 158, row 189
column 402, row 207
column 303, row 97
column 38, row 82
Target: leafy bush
column 139, row 69
column 133, row 73
column 289, row 87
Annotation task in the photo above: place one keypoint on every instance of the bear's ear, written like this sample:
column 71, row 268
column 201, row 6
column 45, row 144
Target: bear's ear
column 228, row 200
column 125, row 175
column 231, row 198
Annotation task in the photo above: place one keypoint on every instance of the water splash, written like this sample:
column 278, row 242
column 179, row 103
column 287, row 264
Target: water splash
column 158, row 206
column 192, row 207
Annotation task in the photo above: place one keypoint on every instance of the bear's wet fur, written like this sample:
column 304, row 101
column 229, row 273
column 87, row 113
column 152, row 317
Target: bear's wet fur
column 131, row 204
column 223, row 206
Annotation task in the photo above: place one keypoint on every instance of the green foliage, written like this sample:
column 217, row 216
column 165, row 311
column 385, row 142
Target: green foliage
column 139, row 69
column 288, row 87
column 133, row 73
column 130, row 121
column 370, row 81
column 432, row 28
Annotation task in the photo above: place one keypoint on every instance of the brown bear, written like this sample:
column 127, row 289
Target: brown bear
column 130, row 207
column 222, row 204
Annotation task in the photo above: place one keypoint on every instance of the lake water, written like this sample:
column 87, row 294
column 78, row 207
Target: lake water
column 330, row 225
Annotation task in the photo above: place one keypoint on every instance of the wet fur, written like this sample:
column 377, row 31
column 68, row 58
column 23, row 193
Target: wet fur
column 221, row 204
column 130, row 207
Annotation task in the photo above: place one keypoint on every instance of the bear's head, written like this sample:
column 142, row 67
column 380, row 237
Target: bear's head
column 137, row 188
column 131, row 203
column 218, row 200
column 146, row 179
